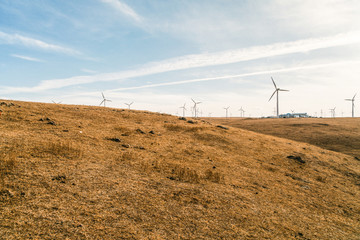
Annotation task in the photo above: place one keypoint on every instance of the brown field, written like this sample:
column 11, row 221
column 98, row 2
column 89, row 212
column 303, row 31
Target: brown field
column 80, row 172
column 336, row 134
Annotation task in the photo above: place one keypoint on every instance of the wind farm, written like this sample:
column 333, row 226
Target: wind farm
column 158, row 120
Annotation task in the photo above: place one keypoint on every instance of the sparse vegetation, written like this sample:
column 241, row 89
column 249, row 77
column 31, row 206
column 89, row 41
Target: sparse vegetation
column 153, row 176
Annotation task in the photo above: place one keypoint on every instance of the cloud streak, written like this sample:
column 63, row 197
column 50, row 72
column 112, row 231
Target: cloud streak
column 17, row 39
column 204, row 60
column 124, row 9
column 26, row 58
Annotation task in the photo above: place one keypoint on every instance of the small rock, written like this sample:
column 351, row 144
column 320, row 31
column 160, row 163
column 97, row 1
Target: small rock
column 152, row 132
column 114, row 139
column 296, row 158
column 52, row 123
column 140, row 131
column 182, row 118
column 125, row 145
column 357, row 158
column 191, row 122
column 222, row 127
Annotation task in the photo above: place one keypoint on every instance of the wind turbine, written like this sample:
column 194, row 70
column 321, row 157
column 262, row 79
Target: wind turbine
column 353, row 104
column 184, row 109
column 56, row 102
column 277, row 96
column 195, row 106
column 104, row 100
column 332, row 110
column 129, row 104
column 226, row 109
column 242, row 112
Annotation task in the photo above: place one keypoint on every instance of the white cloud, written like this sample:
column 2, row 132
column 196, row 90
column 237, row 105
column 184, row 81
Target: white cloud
column 26, row 58
column 124, row 9
column 204, row 60
column 17, row 39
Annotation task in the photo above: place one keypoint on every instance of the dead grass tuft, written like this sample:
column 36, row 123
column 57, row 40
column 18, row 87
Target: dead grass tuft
column 186, row 174
column 214, row 176
column 65, row 149
column 7, row 162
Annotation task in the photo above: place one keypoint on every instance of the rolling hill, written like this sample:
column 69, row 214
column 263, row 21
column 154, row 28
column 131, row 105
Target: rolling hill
column 81, row 172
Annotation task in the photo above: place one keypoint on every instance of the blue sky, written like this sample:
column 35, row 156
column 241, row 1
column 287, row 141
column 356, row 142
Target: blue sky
column 160, row 54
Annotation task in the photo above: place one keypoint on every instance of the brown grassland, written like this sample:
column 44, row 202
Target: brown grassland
column 81, row 172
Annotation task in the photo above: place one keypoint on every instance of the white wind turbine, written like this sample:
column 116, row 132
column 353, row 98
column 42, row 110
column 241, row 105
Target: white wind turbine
column 184, row 109
column 129, row 104
column 242, row 112
column 226, row 109
column 195, row 106
column 277, row 96
column 104, row 100
column 353, row 104
column 332, row 111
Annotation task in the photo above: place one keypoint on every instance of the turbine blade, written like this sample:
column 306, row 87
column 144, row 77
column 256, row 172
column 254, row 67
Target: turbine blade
column 354, row 96
column 284, row 90
column 108, row 100
column 273, row 82
column 348, row 99
column 193, row 101
column 103, row 95
column 272, row 95
column 101, row 102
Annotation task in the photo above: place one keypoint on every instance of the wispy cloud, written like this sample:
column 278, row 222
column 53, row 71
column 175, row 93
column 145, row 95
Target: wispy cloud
column 124, row 9
column 26, row 58
column 17, row 39
column 205, row 60
column 88, row 70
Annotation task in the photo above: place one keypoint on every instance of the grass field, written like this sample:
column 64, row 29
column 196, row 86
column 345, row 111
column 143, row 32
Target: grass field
column 81, row 172
column 337, row 134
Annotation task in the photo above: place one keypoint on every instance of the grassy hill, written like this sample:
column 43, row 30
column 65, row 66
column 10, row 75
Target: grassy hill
column 336, row 134
column 81, row 172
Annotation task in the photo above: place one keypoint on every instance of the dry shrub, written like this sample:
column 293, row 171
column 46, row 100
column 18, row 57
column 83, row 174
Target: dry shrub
column 320, row 179
column 213, row 176
column 59, row 149
column 182, row 128
column 186, row 174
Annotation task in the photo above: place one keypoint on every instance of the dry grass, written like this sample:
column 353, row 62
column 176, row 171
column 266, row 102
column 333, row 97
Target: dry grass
column 152, row 176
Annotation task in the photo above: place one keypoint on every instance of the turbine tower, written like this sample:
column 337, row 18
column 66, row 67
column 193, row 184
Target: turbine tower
column 184, row 109
column 242, row 112
column 353, row 104
column 129, row 104
column 104, row 100
column 226, row 109
column 195, row 106
column 332, row 111
column 277, row 96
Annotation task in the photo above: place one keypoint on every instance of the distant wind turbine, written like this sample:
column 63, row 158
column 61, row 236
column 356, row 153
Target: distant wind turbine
column 104, row 100
column 353, row 104
column 184, row 109
column 195, row 106
column 332, row 111
column 226, row 109
column 129, row 104
column 242, row 112
column 56, row 102
column 277, row 96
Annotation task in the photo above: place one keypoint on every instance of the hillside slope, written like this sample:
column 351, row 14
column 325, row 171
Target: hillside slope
column 83, row 172
column 336, row 134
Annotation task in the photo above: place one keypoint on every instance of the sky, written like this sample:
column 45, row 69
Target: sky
column 161, row 54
